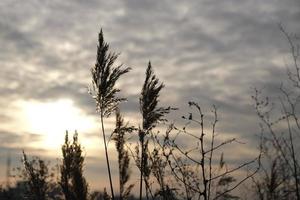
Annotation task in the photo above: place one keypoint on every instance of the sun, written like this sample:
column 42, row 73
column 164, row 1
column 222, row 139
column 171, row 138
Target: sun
column 52, row 119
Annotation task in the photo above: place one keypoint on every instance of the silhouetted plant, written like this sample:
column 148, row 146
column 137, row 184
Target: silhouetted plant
column 280, row 131
column 158, row 169
column 105, row 195
column 152, row 114
column 224, row 183
column 72, row 182
column 36, row 175
column 192, row 167
column 104, row 77
column 274, row 180
column 123, row 155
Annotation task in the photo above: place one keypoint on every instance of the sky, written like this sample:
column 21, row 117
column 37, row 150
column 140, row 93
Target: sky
column 208, row 51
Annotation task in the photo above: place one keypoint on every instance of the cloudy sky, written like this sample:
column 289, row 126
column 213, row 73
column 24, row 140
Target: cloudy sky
column 208, row 51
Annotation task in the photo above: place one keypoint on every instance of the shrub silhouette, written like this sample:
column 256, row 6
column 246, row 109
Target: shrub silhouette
column 36, row 176
column 72, row 181
column 280, row 128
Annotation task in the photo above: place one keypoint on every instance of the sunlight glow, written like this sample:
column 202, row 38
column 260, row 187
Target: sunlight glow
column 52, row 119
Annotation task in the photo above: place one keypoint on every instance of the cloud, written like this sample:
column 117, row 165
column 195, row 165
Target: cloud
column 209, row 51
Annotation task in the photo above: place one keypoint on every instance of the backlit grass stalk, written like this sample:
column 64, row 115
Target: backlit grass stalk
column 152, row 114
column 104, row 77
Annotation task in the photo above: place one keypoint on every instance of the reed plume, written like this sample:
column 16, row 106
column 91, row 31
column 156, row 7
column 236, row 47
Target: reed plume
column 104, row 77
column 123, row 155
column 152, row 114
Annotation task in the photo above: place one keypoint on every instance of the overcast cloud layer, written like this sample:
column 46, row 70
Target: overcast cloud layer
column 209, row 51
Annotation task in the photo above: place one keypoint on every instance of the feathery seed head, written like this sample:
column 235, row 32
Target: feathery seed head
column 104, row 77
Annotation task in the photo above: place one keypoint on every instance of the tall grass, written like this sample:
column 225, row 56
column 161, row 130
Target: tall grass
column 104, row 77
column 152, row 114
column 119, row 138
